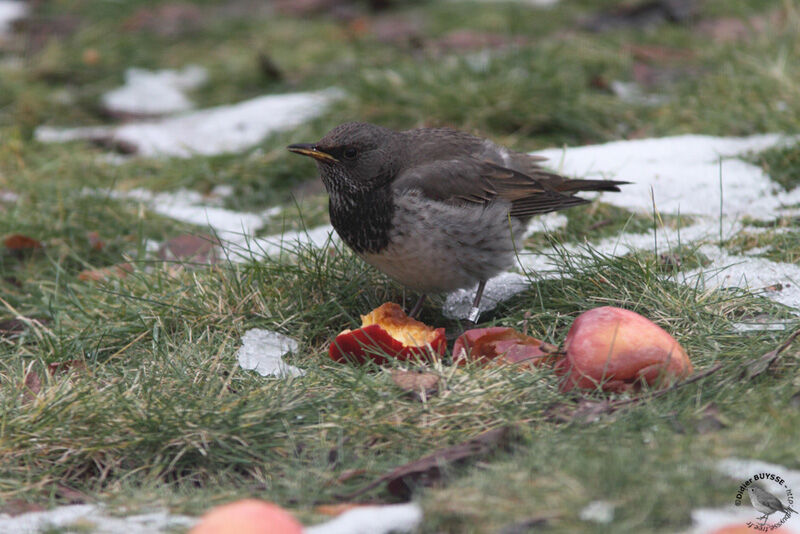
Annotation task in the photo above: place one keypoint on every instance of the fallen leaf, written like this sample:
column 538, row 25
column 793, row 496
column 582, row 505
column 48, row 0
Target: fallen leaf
column 334, row 510
column 94, row 241
column 427, row 470
column 422, row 385
column 758, row 367
column 71, row 495
column 32, row 385
column 121, row 270
column 16, row 507
column 18, row 242
column 711, row 420
column 65, row 366
column 11, row 327
column 17, row 325
column 190, row 248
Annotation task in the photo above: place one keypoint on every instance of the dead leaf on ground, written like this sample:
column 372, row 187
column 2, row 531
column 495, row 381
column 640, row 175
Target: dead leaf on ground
column 17, row 325
column 190, row 248
column 19, row 242
column 427, row 471
column 711, row 420
column 66, row 366
column 16, row 507
column 94, row 240
column 760, row 365
column 71, row 495
column 421, row 385
column 120, row 270
column 31, row 386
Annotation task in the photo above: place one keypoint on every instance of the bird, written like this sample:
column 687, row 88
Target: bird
column 767, row 503
column 436, row 209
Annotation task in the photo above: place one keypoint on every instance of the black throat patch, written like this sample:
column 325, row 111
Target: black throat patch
column 363, row 219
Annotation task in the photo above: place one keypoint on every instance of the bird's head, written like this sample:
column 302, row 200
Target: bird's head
column 354, row 156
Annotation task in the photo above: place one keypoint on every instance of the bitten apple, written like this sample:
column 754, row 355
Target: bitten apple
column 248, row 516
column 387, row 330
column 619, row 349
column 499, row 344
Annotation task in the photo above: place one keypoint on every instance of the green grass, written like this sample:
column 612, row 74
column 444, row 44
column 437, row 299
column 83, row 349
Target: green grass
column 782, row 165
column 162, row 415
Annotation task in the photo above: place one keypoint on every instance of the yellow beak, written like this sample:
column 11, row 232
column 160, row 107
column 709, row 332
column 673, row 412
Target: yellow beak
column 307, row 149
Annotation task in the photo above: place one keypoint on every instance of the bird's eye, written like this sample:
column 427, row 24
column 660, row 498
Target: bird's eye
column 350, row 153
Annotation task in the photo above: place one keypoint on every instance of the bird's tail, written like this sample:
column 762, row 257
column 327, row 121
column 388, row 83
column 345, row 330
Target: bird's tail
column 573, row 186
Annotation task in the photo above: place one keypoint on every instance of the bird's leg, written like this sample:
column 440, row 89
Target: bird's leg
column 417, row 307
column 475, row 311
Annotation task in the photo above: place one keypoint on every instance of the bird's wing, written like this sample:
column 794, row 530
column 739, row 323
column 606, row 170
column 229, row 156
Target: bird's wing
column 465, row 181
column 768, row 499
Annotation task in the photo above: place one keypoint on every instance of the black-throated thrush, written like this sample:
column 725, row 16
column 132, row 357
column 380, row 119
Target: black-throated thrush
column 434, row 208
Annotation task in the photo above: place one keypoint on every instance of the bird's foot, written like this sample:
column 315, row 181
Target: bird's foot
column 474, row 315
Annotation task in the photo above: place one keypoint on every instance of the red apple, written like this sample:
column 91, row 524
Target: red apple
column 619, row 349
column 387, row 330
column 248, row 516
column 499, row 344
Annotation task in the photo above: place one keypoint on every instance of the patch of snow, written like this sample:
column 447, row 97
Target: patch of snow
column 222, row 190
column 85, row 516
column 761, row 326
column 155, row 92
column 209, row 131
column 372, row 520
column 776, row 280
column 10, row 12
column 498, row 289
column 261, row 351
column 549, row 222
column 598, row 512
column 741, row 469
column 632, row 93
column 8, row 196
column 192, row 207
column 683, row 172
column 709, row 520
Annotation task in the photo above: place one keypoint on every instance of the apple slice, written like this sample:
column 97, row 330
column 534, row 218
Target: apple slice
column 499, row 344
column 387, row 330
column 248, row 516
column 619, row 350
